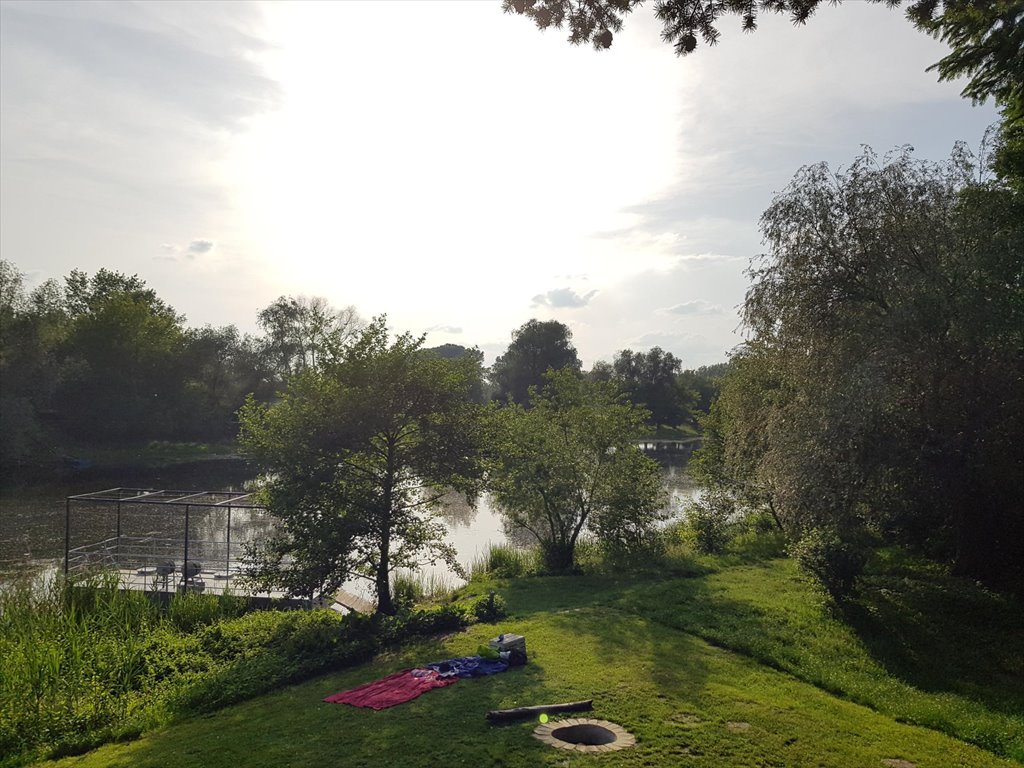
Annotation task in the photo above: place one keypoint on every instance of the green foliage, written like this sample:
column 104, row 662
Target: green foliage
column 985, row 36
column 88, row 663
column 357, row 455
column 306, row 333
column 505, row 561
column 489, row 608
column 835, row 562
column 880, row 388
column 537, row 347
column 570, row 464
column 650, row 379
column 706, row 525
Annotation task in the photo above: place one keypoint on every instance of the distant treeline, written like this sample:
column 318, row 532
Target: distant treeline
column 101, row 359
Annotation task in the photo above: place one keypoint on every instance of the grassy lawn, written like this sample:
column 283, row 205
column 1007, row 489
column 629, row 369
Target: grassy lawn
column 737, row 667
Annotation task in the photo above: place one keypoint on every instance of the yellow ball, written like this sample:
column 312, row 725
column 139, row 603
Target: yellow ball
column 544, row 717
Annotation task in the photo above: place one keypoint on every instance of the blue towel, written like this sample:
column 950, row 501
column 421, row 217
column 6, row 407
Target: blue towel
column 468, row 666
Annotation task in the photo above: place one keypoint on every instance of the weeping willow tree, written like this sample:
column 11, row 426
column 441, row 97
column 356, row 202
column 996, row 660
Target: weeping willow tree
column 882, row 389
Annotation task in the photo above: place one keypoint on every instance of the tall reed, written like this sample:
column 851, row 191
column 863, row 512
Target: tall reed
column 73, row 660
column 506, row 561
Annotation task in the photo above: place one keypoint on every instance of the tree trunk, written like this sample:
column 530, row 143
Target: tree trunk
column 384, row 603
column 558, row 556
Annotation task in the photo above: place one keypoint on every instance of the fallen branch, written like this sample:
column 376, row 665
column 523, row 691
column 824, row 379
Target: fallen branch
column 503, row 715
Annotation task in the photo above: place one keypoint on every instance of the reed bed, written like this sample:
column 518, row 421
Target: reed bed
column 74, row 660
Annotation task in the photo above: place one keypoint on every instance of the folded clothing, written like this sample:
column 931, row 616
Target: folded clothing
column 391, row 690
column 467, row 666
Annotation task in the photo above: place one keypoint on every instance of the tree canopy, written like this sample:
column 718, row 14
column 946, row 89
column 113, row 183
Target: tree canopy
column 650, row 379
column 357, row 453
column 881, row 388
column 985, row 35
column 570, row 464
column 537, row 347
column 986, row 38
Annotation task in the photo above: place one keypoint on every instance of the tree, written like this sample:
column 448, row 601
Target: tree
column 357, row 454
column 306, row 332
column 986, row 38
column 537, row 347
column 881, row 387
column 703, row 384
column 479, row 393
column 649, row 379
column 122, row 371
column 570, row 463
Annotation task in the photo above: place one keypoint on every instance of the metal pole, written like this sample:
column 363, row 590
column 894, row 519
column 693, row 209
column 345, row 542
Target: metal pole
column 227, row 555
column 184, row 568
column 67, row 533
column 117, row 550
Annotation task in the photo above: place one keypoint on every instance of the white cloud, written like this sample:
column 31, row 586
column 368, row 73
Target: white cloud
column 696, row 307
column 563, row 298
column 452, row 329
column 200, row 246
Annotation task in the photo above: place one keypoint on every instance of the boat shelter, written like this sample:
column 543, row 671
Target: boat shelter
column 162, row 540
column 166, row 541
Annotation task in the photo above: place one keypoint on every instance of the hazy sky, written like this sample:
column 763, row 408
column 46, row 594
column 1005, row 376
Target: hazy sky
column 438, row 161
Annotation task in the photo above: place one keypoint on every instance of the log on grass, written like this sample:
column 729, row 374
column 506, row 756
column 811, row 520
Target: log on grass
column 503, row 715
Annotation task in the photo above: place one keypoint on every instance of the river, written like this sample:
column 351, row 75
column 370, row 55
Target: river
column 32, row 513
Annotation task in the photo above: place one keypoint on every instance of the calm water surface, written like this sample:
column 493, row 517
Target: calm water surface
column 32, row 514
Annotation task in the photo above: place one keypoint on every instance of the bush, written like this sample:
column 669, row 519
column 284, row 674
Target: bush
column 836, row 563
column 706, row 526
column 489, row 608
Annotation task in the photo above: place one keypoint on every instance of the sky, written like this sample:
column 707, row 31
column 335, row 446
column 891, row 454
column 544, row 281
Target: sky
column 440, row 162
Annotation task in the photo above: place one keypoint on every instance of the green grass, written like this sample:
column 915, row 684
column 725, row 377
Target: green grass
column 738, row 665
column 81, row 665
column 922, row 648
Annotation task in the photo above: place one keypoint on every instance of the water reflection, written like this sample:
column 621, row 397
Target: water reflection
column 32, row 516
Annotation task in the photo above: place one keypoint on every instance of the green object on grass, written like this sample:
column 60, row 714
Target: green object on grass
column 486, row 652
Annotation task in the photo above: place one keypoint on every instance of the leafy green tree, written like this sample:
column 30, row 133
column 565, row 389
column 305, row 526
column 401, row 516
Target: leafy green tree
column 122, row 371
column 306, row 332
column 881, row 388
column 537, row 347
column 480, row 393
column 222, row 367
column 986, row 38
column 570, row 463
column 703, row 384
column 985, row 35
column 650, row 379
column 357, row 453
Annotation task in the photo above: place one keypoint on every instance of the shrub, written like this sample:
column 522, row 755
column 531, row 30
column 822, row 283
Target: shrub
column 834, row 561
column 489, row 608
column 81, row 666
column 706, row 526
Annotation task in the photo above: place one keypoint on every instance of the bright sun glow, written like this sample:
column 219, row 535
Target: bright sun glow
column 398, row 174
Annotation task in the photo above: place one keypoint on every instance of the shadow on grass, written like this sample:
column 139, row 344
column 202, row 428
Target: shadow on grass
column 929, row 652
column 944, row 634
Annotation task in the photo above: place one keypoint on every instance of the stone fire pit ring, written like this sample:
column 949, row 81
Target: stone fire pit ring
column 584, row 735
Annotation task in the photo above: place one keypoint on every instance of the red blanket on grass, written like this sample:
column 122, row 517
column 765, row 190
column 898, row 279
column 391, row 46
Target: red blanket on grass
column 391, row 690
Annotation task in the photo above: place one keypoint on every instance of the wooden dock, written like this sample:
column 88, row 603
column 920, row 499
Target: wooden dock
column 353, row 602
column 220, row 583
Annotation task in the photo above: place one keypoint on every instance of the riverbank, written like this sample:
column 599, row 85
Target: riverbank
column 711, row 661
column 80, row 460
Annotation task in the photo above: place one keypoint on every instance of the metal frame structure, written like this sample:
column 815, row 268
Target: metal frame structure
column 229, row 500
